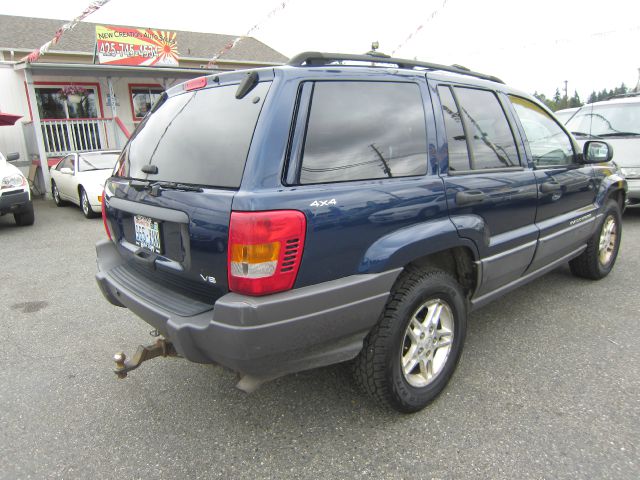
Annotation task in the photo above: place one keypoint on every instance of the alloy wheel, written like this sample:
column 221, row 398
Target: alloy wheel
column 427, row 342
column 608, row 240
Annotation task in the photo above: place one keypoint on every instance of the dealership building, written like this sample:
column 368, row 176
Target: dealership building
column 90, row 90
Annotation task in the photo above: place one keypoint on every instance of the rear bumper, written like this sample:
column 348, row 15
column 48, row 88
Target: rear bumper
column 261, row 336
column 14, row 202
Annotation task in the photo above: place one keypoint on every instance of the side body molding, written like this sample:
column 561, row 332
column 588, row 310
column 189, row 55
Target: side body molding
column 403, row 246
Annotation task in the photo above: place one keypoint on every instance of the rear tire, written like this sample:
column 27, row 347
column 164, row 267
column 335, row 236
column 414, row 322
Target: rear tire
column 25, row 217
column 602, row 249
column 410, row 355
column 85, row 205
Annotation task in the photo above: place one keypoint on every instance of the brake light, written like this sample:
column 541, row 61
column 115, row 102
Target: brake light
column 265, row 249
column 104, row 216
column 195, row 83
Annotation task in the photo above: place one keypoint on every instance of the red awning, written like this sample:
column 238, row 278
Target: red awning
column 8, row 119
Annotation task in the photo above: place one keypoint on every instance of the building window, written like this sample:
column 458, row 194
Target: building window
column 143, row 97
column 52, row 103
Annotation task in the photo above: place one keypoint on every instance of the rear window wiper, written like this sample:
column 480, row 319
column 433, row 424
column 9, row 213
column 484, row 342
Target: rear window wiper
column 157, row 186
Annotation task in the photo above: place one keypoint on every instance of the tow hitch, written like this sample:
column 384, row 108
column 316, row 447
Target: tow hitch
column 161, row 348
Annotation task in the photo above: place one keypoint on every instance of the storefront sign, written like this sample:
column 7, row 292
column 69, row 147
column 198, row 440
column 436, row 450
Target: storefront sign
column 136, row 46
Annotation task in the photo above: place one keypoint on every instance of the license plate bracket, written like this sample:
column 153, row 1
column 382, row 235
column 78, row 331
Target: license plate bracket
column 147, row 233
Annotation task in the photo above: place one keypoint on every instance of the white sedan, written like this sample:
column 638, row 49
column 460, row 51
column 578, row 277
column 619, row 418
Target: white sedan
column 79, row 178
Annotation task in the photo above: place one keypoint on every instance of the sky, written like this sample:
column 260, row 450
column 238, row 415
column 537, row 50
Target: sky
column 531, row 45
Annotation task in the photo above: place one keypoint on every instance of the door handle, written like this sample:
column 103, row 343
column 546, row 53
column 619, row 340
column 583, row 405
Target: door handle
column 470, row 197
column 550, row 187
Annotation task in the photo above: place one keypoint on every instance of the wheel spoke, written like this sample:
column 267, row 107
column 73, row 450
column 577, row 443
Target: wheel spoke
column 409, row 362
column 444, row 338
column 414, row 330
column 426, row 368
column 434, row 316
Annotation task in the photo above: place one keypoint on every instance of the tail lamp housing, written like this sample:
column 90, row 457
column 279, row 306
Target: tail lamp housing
column 104, row 216
column 265, row 250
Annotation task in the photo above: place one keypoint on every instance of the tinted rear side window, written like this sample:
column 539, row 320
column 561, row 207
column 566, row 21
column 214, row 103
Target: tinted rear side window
column 200, row 137
column 456, row 139
column 490, row 137
column 364, row 130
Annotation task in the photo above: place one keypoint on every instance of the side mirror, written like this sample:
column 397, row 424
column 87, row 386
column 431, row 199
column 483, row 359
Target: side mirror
column 12, row 157
column 597, row 152
column 66, row 171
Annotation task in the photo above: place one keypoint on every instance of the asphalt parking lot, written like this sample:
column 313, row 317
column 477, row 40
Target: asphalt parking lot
column 548, row 386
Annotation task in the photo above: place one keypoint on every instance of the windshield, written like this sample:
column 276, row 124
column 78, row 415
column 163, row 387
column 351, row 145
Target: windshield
column 105, row 161
column 564, row 115
column 616, row 119
column 199, row 138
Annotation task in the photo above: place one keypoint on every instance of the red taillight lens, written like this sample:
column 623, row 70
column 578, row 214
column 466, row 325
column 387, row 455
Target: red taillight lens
column 265, row 249
column 104, row 216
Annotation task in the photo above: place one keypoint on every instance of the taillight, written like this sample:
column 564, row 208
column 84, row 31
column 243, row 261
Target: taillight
column 265, row 249
column 104, row 216
column 120, row 168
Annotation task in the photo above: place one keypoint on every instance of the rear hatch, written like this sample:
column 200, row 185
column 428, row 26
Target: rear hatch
column 169, row 202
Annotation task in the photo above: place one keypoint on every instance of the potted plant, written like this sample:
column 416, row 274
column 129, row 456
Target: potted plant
column 73, row 93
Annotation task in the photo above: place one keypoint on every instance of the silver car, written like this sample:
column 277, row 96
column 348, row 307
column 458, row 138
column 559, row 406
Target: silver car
column 618, row 122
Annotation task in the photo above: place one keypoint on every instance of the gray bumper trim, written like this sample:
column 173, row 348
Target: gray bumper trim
column 14, row 202
column 265, row 336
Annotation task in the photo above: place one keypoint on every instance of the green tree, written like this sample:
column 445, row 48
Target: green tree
column 575, row 102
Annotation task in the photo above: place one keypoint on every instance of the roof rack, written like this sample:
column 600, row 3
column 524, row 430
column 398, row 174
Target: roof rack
column 624, row 95
column 317, row 58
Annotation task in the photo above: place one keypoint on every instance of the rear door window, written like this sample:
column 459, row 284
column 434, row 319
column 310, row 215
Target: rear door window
column 364, row 130
column 200, row 137
column 488, row 133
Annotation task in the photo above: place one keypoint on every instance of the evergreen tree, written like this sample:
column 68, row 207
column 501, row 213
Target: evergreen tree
column 575, row 100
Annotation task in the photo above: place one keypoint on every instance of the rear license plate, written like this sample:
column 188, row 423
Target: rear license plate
column 147, row 233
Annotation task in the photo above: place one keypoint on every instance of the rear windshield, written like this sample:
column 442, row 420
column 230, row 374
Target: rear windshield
column 199, row 137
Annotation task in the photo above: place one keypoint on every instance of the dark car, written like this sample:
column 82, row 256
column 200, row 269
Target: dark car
column 346, row 208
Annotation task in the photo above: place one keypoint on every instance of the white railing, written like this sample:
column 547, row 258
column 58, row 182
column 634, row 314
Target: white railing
column 62, row 136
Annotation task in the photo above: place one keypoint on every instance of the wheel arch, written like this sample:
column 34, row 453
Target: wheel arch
column 435, row 244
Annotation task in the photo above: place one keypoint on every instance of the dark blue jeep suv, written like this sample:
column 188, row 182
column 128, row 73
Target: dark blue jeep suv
column 346, row 207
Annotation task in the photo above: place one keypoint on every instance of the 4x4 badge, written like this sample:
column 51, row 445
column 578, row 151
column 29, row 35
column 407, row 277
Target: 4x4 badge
column 323, row 203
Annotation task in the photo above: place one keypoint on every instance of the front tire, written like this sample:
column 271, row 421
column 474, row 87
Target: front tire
column 85, row 205
column 601, row 253
column 410, row 355
column 25, row 217
column 56, row 195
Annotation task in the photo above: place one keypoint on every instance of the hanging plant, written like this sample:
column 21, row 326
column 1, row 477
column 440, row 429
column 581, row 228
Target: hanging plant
column 73, row 93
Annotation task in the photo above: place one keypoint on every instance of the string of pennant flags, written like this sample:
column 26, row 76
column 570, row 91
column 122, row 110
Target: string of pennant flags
column 415, row 33
column 93, row 6
column 97, row 4
column 231, row 45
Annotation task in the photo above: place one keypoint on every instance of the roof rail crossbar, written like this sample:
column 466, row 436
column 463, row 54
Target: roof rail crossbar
column 317, row 59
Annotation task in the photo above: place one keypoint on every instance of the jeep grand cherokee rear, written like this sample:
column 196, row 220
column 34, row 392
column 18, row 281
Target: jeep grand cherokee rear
column 282, row 219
